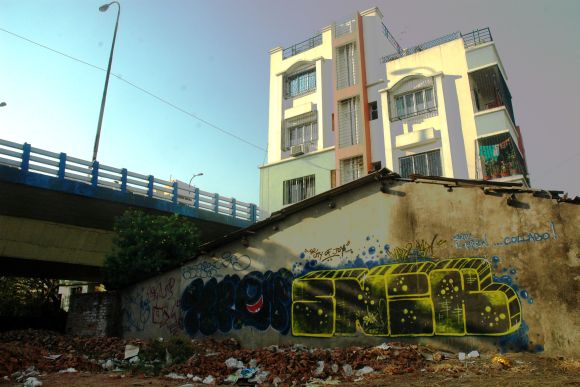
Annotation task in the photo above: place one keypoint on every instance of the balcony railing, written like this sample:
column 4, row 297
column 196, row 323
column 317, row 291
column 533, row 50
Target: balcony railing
column 302, row 46
column 421, row 47
column 477, row 37
column 469, row 40
column 490, row 90
column 30, row 159
column 499, row 157
column 347, row 27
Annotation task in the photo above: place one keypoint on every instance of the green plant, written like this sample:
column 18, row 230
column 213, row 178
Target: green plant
column 145, row 245
column 29, row 296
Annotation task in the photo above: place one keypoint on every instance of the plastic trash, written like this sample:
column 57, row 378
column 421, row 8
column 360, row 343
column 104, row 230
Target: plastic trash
column 109, row 365
column 234, row 363
column 320, row 368
column 173, row 375
column 365, row 370
column 461, row 356
column 347, row 369
column 32, row 382
column 247, row 372
column 68, row 371
column 472, row 354
column 209, row 380
column 260, row 377
column 131, row 351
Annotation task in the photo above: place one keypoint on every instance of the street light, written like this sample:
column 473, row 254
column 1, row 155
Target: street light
column 104, row 8
column 194, row 176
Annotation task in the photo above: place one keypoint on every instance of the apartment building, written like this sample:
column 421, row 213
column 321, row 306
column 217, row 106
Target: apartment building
column 447, row 111
column 350, row 100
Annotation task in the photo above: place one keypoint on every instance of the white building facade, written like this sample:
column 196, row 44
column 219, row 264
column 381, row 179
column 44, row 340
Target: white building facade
column 339, row 109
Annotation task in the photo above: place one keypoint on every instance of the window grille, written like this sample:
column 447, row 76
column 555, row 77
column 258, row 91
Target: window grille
column 300, row 83
column 349, row 122
column 414, row 104
column 426, row 164
column 346, row 66
column 298, row 189
column 351, row 169
column 301, row 129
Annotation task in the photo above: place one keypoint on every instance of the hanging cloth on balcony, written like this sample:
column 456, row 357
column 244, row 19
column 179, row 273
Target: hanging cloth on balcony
column 504, row 143
column 489, row 152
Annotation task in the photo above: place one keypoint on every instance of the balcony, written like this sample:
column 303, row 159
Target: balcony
column 347, row 27
column 470, row 39
column 490, row 91
column 477, row 37
column 500, row 159
column 302, row 46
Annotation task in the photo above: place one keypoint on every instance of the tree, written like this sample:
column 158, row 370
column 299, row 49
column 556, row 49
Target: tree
column 28, row 296
column 145, row 245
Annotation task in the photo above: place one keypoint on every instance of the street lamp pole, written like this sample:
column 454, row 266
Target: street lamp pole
column 104, row 8
column 192, row 177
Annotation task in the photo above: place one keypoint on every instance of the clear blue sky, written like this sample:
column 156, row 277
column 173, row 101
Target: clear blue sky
column 210, row 58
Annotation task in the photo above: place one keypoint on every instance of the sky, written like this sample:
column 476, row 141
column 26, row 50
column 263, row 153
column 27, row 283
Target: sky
column 190, row 79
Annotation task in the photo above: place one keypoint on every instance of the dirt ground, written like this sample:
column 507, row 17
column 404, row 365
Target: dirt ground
column 527, row 370
column 59, row 360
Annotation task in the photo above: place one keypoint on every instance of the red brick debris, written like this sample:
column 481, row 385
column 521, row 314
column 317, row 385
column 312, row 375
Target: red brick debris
column 287, row 364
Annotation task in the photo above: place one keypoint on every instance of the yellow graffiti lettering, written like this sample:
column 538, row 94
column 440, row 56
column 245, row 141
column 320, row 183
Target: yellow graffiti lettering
column 453, row 297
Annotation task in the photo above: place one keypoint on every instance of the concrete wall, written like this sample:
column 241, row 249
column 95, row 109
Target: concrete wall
column 456, row 268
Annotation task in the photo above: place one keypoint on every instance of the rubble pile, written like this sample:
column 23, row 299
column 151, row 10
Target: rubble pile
column 25, row 354
column 51, row 352
column 298, row 363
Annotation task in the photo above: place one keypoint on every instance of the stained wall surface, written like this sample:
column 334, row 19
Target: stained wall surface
column 457, row 268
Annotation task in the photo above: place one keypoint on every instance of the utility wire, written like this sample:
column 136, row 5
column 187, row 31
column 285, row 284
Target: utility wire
column 142, row 90
column 208, row 123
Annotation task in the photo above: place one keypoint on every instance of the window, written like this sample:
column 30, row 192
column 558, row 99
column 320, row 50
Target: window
column 373, row 111
column 300, row 83
column 413, row 104
column 298, row 189
column 351, row 169
column 346, row 66
column 426, row 164
column 348, row 122
column 302, row 129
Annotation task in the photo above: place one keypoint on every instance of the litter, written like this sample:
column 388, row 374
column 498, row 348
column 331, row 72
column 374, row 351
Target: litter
column 131, row 351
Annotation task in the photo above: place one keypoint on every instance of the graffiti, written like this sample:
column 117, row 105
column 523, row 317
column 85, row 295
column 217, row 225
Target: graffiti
column 417, row 250
column 530, row 237
column 168, row 317
column 162, row 290
column 200, row 270
column 136, row 311
column 327, row 254
column 453, row 297
column 467, row 241
column 258, row 300
column 210, row 269
column 237, row 263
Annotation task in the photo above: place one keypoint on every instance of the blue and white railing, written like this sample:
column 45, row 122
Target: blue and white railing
column 30, row 159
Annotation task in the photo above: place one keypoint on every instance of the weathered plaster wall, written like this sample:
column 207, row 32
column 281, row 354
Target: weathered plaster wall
column 457, row 268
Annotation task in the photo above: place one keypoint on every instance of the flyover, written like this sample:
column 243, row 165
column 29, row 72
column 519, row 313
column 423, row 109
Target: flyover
column 57, row 212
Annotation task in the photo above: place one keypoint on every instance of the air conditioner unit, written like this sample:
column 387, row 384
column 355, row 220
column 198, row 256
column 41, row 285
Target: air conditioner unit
column 297, row 150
